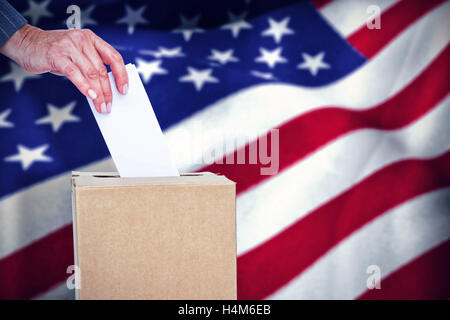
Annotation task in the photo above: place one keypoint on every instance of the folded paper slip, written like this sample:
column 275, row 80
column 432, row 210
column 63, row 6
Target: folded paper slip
column 154, row 238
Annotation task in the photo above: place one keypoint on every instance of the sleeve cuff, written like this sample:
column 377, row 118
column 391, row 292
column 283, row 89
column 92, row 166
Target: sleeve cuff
column 10, row 21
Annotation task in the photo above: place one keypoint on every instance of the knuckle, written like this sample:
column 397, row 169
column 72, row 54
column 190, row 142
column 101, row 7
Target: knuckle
column 65, row 42
column 69, row 71
column 115, row 56
column 102, row 72
column 77, row 35
column 88, row 32
column 92, row 74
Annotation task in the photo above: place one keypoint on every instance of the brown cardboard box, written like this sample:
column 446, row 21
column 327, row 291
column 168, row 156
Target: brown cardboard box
column 154, row 238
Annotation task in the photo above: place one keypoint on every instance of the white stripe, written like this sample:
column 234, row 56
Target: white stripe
column 276, row 203
column 389, row 242
column 347, row 16
column 260, row 108
column 34, row 212
column 42, row 208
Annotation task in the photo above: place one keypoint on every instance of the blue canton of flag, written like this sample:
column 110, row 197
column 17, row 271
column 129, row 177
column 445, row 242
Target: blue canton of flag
column 187, row 58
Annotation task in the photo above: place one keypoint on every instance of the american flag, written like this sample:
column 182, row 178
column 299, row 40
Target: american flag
column 364, row 139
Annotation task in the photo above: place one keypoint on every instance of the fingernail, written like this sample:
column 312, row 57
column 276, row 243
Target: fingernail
column 108, row 107
column 92, row 94
column 103, row 108
column 125, row 89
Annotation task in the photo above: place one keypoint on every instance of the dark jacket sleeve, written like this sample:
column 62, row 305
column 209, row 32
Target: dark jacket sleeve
column 10, row 21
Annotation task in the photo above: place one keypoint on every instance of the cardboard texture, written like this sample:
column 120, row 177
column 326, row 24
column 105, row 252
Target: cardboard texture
column 155, row 238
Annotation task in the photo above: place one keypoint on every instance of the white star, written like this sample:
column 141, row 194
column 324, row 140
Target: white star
column 271, row 57
column 85, row 18
column 198, row 77
column 313, row 63
column 36, row 11
column 57, row 116
column 278, row 29
column 236, row 23
column 28, row 156
column 223, row 56
column 170, row 53
column 133, row 17
column 149, row 68
column 188, row 27
column 3, row 122
column 163, row 52
column 18, row 76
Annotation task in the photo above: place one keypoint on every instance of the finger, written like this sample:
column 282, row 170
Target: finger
column 92, row 54
column 93, row 77
column 67, row 68
column 112, row 57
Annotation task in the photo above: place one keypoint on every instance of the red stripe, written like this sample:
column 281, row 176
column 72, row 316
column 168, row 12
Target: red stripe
column 308, row 132
column 393, row 21
column 37, row 267
column 426, row 277
column 271, row 265
column 319, row 4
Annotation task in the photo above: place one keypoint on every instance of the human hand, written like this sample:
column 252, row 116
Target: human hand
column 80, row 55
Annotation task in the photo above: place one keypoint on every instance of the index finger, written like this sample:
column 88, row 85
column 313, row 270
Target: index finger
column 112, row 57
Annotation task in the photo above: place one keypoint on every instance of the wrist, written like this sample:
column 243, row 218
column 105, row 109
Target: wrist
column 15, row 47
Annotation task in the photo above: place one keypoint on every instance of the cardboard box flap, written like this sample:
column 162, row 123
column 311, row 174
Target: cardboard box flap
column 108, row 179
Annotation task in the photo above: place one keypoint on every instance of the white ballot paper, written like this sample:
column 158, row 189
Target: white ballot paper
column 132, row 132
